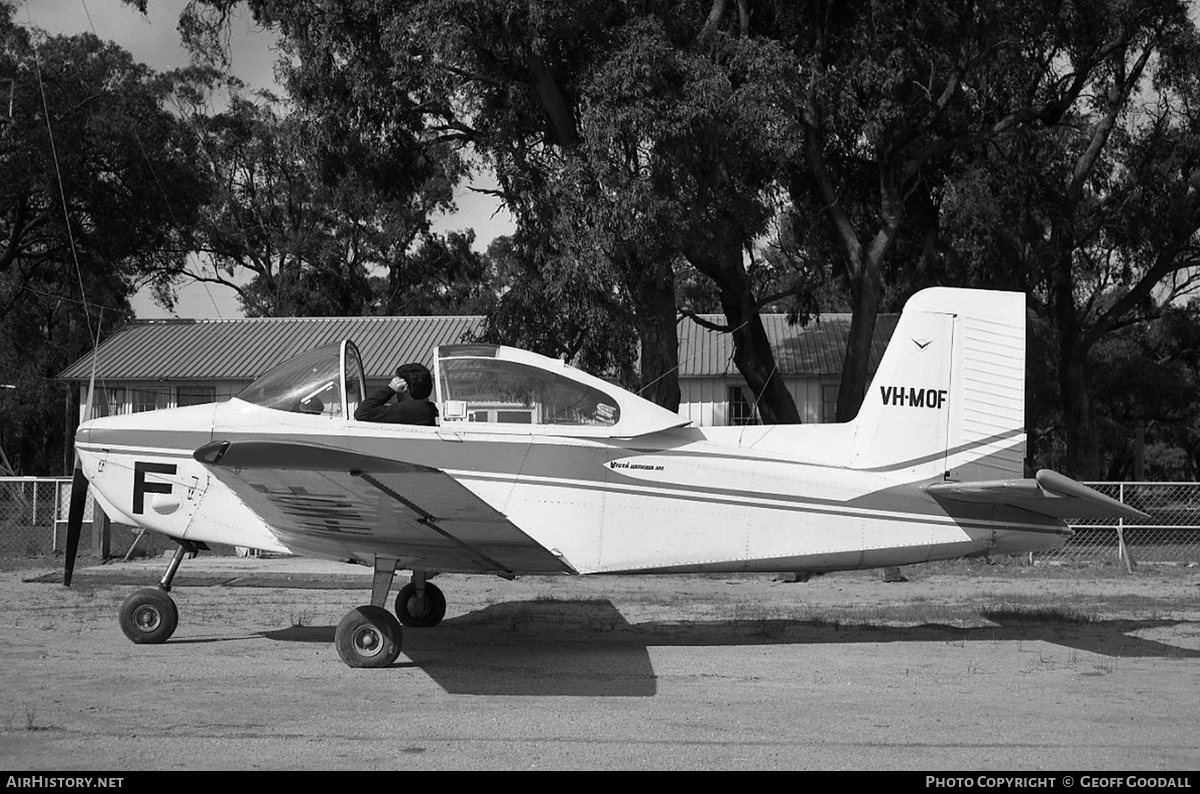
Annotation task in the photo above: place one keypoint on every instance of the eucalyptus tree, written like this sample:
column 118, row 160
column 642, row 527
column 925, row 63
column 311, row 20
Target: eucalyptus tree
column 298, row 224
column 547, row 95
column 1097, row 214
column 629, row 137
column 99, row 185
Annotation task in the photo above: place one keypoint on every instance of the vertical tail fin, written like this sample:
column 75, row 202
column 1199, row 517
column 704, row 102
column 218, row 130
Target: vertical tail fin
column 949, row 395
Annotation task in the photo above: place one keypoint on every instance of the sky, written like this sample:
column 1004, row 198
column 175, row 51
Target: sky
column 154, row 40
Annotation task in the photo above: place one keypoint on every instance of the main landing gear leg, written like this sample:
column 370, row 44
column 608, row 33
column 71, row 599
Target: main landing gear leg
column 149, row 616
column 419, row 603
column 370, row 636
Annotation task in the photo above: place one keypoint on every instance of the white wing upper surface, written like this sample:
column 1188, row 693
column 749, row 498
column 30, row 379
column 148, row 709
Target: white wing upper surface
column 337, row 503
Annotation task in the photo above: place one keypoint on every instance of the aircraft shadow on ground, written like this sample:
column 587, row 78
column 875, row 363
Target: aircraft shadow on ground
column 588, row 648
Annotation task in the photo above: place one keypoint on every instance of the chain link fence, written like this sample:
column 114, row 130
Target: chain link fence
column 33, row 521
column 1170, row 534
column 30, row 511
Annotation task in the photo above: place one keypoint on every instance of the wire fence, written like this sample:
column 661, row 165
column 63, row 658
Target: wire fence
column 33, row 521
column 1170, row 534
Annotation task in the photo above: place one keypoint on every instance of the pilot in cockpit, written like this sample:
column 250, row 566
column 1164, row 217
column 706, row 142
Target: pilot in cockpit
column 411, row 387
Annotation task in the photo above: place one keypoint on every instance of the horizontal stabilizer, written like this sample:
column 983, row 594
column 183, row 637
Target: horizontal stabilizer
column 1049, row 494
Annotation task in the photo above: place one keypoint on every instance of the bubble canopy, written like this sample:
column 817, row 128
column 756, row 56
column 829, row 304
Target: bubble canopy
column 504, row 388
column 507, row 387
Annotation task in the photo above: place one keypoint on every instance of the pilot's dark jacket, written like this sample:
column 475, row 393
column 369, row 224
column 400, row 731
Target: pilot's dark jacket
column 376, row 408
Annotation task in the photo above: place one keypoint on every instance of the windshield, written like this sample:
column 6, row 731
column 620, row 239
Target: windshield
column 494, row 390
column 307, row 384
column 352, row 373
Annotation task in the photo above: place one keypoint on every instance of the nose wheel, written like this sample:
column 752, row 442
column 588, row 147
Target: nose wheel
column 368, row 636
column 149, row 617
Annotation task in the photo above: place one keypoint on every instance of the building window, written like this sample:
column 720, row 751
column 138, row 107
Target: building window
column 741, row 411
column 109, row 402
column 195, row 395
column 829, row 398
column 149, row 399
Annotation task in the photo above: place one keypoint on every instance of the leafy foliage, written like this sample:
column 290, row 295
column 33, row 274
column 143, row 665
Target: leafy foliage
column 98, row 187
column 735, row 154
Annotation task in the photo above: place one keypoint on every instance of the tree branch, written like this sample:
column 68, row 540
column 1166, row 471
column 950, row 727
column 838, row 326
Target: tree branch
column 703, row 323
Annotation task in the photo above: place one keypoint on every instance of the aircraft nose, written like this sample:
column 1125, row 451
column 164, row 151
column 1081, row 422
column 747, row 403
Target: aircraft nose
column 83, row 432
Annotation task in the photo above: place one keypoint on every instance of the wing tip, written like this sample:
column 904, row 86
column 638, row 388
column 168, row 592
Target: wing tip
column 1061, row 485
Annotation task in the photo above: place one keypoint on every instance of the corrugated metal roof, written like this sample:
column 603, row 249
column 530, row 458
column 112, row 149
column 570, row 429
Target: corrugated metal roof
column 809, row 350
column 243, row 349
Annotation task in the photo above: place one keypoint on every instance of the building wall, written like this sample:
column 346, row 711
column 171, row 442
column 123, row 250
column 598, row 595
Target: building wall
column 127, row 397
column 705, row 401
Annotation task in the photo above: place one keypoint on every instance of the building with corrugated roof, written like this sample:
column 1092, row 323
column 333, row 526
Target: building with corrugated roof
column 809, row 358
column 155, row 364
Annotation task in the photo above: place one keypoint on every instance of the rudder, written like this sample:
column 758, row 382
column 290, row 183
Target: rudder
column 949, row 394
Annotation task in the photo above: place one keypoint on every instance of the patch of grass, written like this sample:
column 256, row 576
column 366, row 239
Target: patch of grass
column 302, row 618
column 1021, row 614
column 45, row 562
column 10, row 722
column 921, row 611
column 1042, row 663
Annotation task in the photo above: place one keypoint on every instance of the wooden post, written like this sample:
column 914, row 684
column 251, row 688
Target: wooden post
column 1123, row 550
column 101, row 532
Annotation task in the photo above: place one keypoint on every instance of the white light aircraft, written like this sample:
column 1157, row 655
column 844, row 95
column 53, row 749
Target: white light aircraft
column 538, row 468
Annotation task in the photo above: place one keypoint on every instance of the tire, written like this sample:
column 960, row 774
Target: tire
column 149, row 617
column 412, row 612
column 368, row 637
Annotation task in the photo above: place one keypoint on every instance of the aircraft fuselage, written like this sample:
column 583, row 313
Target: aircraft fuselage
column 686, row 499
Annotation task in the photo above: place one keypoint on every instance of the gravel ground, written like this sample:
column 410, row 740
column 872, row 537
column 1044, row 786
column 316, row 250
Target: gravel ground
column 965, row 667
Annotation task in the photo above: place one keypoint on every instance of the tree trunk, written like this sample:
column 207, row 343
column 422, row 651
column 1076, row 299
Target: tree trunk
column 720, row 258
column 659, row 336
column 753, row 357
column 856, row 366
column 1079, row 421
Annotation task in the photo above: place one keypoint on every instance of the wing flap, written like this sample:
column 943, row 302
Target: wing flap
column 335, row 502
column 1048, row 494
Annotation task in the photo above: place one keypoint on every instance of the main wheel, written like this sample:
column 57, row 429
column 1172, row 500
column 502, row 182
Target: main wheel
column 420, row 612
column 149, row 617
column 368, row 637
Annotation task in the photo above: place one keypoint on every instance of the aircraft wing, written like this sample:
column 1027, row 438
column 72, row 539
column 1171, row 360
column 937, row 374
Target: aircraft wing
column 338, row 503
column 1049, row 494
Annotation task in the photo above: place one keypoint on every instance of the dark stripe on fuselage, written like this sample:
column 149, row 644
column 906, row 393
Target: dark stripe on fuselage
column 856, row 508
column 492, row 461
